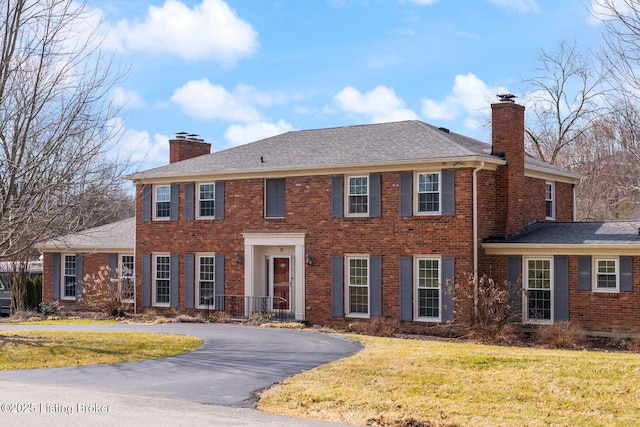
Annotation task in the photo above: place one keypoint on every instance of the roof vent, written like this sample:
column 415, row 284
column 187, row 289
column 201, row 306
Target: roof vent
column 181, row 135
column 506, row 97
column 445, row 130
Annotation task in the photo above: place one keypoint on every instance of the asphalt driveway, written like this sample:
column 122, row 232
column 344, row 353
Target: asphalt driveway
column 233, row 364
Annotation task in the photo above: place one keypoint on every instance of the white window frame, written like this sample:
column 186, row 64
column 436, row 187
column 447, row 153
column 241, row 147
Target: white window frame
column 156, row 201
column 130, row 274
column 550, row 197
column 348, row 196
column 63, row 274
column 616, row 264
column 198, row 200
column 416, row 198
column 155, row 279
column 525, row 296
column 417, row 288
column 348, row 286
column 199, row 257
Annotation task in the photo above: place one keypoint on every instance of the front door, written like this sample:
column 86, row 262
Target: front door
column 280, row 282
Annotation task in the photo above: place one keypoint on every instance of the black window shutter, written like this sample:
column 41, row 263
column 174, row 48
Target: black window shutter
column 146, row 202
column 561, row 288
column 79, row 273
column 375, row 287
column 175, row 194
column 626, row 273
column 337, row 286
column 113, row 266
column 219, row 284
column 375, row 209
column 406, row 288
column 219, row 202
column 146, row 280
column 447, row 288
column 514, row 276
column 337, row 189
column 448, row 192
column 584, row 273
column 406, row 194
column 189, row 281
column 174, row 297
column 56, row 275
column 189, row 201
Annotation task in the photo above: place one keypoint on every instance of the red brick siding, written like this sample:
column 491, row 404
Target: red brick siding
column 182, row 149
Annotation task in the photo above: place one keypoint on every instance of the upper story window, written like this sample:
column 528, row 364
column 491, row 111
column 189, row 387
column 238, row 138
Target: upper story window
column 358, row 196
column 427, row 289
column 162, row 202
column 69, row 277
column 357, row 286
column 207, row 200
column 428, row 193
column 550, row 200
column 606, row 277
column 274, row 198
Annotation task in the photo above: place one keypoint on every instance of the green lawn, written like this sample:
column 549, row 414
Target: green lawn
column 460, row 384
column 45, row 349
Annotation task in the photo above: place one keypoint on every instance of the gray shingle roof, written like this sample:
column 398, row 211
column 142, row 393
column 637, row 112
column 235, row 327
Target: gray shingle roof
column 115, row 236
column 373, row 144
column 563, row 233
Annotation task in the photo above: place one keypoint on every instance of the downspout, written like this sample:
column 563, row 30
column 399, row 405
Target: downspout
column 475, row 239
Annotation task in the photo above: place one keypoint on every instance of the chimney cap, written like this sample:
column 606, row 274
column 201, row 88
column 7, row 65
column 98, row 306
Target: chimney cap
column 506, row 97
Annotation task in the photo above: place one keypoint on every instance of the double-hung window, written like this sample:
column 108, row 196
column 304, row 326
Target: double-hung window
column 162, row 280
column 205, row 286
column 69, row 277
column 162, row 202
column 357, row 281
column 427, row 289
column 207, row 200
column 127, row 277
column 358, row 196
column 606, row 277
column 539, row 290
column 550, row 200
column 429, row 191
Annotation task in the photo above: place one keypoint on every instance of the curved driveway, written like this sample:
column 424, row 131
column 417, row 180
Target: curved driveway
column 234, row 362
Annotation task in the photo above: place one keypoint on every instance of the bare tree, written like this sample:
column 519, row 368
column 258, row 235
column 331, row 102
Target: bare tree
column 563, row 100
column 55, row 123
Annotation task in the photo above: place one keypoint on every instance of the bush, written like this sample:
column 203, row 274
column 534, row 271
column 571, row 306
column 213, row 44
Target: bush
column 103, row 292
column 378, row 326
column 49, row 308
column 34, row 292
column 561, row 335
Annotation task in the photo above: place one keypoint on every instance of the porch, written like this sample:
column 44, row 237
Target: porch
column 242, row 307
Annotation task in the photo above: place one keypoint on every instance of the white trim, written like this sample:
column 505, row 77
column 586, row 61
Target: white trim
column 197, row 200
column 416, row 193
column 196, row 280
column 347, row 286
column 541, row 249
column 63, row 264
column 347, row 195
column 155, row 202
column 416, row 279
column 525, row 298
column 154, row 279
column 594, row 278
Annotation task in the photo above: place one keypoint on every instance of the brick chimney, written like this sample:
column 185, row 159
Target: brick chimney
column 507, row 139
column 184, row 147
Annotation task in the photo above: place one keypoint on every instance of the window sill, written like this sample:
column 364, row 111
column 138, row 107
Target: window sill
column 428, row 319
column 357, row 316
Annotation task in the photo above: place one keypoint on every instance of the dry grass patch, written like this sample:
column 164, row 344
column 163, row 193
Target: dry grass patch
column 47, row 349
column 444, row 384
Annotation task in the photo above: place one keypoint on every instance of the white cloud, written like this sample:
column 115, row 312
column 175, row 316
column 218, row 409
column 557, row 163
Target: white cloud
column 522, row 6
column 242, row 134
column 137, row 147
column 209, row 31
column 469, row 97
column 126, row 98
column 204, row 100
column 379, row 105
column 421, row 2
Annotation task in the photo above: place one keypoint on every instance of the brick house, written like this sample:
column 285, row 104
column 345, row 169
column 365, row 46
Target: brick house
column 356, row 222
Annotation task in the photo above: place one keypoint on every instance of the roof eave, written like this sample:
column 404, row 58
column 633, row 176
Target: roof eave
column 547, row 249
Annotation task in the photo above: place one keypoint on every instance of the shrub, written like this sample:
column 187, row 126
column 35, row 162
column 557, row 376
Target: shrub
column 561, row 335
column 103, row 292
column 49, row 308
column 378, row 326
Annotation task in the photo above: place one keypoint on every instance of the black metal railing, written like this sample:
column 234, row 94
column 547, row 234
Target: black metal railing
column 245, row 307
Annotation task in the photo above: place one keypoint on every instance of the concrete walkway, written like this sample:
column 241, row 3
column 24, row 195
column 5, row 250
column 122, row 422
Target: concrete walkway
column 214, row 385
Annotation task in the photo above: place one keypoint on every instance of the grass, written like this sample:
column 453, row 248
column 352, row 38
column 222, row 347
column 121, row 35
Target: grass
column 46, row 349
column 465, row 384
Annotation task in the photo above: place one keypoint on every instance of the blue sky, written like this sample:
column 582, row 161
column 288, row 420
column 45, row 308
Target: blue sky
column 236, row 71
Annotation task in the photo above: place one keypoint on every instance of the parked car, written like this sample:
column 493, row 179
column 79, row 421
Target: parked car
column 5, row 296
